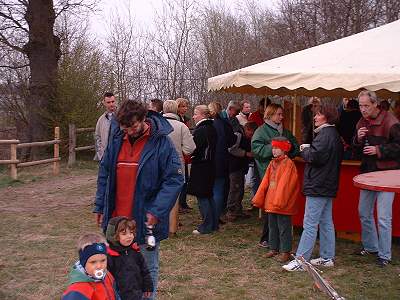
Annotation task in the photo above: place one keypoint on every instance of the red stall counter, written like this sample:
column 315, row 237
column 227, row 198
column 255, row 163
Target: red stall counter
column 345, row 205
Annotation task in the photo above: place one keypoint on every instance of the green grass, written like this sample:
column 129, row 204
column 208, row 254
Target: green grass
column 42, row 216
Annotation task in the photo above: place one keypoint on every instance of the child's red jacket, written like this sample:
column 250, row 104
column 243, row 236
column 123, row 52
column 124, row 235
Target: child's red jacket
column 83, row 287
column 279, row 188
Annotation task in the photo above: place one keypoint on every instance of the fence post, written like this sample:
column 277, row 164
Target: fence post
column 56, row 164
column 72, row 145
column 13, row 167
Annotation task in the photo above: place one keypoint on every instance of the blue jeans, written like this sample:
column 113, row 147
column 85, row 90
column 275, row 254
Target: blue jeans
column 369, row 236
column 152, row 262
column 318, row 211
column 218, row 198
column 207, row 211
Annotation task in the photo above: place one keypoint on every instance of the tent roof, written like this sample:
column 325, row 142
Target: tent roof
column 369, row 59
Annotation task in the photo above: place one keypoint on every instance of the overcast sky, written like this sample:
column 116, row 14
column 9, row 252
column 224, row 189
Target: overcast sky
column 143, row 11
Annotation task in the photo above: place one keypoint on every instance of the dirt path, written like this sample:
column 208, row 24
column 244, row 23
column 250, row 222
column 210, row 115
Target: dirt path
column 49, row 194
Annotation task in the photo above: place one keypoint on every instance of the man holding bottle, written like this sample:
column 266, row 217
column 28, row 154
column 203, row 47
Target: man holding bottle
column 378, row 141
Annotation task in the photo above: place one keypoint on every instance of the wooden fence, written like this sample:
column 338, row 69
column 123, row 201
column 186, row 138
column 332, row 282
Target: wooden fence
column 15, row 163
column 72, row 148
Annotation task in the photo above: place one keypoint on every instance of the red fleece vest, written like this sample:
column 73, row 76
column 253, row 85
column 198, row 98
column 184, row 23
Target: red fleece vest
column 127, row 167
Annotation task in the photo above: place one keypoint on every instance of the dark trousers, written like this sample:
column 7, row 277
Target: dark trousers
column 280, row 232
column 236, row 192
column 207, row 211
column 182, row 195
column 265, row 232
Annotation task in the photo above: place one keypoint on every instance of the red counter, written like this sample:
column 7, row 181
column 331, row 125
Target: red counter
column 345, row 205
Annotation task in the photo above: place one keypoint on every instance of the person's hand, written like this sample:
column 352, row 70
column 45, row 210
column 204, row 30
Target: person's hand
column 369, row 150
column 146, row 294
column 362, row 132
column 249, row 154
column 99, row 219
column 151, row 220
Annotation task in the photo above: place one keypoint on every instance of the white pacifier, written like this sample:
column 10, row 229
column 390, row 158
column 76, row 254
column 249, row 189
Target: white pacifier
column 99, row 274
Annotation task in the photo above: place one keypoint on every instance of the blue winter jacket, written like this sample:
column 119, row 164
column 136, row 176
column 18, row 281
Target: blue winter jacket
column 158, row 183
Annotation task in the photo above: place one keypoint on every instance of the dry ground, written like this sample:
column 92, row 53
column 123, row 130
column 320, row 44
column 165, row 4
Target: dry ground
column 41, row 216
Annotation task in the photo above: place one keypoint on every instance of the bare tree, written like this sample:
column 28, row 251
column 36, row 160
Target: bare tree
column 27, row 27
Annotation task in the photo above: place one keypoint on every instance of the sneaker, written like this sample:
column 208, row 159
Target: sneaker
column 196, row 232
column 381, row 262
column 263, row 244
column 293, row 266
column 364, row 252
column 322, row 262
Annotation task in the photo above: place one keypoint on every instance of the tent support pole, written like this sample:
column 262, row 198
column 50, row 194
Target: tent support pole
column 294, row 121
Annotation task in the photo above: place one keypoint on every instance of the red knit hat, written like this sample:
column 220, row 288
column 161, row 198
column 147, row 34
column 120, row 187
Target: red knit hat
column 284, row 145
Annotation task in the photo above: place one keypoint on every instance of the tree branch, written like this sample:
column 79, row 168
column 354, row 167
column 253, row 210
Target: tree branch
column 14, row 67
column 4, row 40
column 16, row 22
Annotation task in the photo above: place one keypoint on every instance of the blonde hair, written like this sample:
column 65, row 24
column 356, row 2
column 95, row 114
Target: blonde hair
column 182, row 101
column 170, row 106
column 89, row 239
column 271, row 110
column 203, row 109
column 215, row 108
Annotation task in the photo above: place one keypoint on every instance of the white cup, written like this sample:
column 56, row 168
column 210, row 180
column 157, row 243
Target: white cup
column 303, row 146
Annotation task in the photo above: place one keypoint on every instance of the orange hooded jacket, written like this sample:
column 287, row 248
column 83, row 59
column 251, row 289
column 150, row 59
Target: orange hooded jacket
column 279, row 188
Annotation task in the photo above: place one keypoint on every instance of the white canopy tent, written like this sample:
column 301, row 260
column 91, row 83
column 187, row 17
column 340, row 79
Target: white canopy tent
column 370, row 59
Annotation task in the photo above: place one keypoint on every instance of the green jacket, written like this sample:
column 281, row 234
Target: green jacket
column 262, row 149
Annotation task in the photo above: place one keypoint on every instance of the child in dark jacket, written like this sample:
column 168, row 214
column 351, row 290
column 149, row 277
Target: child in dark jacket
column 89, row 279
column 125, row 262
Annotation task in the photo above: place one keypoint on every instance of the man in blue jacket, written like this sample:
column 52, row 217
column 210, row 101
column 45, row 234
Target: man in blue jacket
column 140, row 177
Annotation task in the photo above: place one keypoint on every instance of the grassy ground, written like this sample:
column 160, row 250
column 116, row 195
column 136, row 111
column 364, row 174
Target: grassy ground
column 41, row 216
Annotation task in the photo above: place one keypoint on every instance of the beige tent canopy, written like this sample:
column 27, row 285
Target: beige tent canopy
column 370, row 59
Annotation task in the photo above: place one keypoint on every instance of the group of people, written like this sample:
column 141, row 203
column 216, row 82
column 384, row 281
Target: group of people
column 143, row 173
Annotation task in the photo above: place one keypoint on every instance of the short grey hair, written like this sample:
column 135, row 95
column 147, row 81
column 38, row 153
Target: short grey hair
column 233, row 104
column 370, row 94
column 170, row 106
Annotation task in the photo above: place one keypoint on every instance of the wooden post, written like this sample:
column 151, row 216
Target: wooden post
column 56, row 164
column 71, row 145
column 13, row 167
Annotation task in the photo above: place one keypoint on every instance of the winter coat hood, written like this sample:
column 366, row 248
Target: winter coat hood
column 78, row 274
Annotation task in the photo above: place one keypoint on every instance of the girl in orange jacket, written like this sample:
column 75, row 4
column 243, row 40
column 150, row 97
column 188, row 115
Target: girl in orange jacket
column 277, row 195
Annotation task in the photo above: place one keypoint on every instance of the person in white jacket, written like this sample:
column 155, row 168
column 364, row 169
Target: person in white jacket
column 244, row 114
column 184, row 144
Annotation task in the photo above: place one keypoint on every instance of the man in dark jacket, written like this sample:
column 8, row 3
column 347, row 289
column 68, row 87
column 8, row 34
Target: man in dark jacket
column 239, row 157
column 140, row 176
column 378, row 139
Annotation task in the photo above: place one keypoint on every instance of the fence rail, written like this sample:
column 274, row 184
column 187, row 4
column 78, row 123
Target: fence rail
column 72, row 148
column 15, row 163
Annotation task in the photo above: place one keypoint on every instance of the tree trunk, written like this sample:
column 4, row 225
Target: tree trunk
column 43, row 51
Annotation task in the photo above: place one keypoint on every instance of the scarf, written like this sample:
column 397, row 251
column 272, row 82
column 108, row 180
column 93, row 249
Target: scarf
column 318, row 129
column 278, row 127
